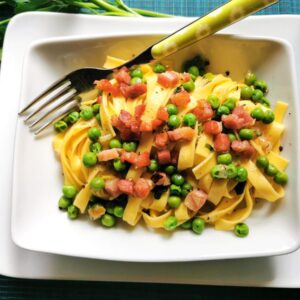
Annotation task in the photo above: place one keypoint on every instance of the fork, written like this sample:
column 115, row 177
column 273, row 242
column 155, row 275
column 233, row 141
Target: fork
column 62, row 96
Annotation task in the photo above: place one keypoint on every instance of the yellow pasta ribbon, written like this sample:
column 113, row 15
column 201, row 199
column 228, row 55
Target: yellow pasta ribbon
column 132, row 212
column 225, row 207
column 160, row 204
column 113, row 62
column 187, row 154
column 280, row 111
column 105, row 117
column 205, row 183
column 202, row 150
column 229, row 221
column 205, row 166
column 182, row 213
column 263, row 188
column 278, row 161
column 218, row 190
column 156, row 221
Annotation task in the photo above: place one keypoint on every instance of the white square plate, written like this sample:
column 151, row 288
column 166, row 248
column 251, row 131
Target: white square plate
column 276, row 271
column 38, row 225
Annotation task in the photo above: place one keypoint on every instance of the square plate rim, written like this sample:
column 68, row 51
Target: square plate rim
column 289, row 277
column 233, row 255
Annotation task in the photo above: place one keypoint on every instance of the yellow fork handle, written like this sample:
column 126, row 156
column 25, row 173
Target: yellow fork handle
column 218, row 19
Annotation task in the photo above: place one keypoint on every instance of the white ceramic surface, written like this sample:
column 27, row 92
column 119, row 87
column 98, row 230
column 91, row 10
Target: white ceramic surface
column 38, row 225
column 281, row 271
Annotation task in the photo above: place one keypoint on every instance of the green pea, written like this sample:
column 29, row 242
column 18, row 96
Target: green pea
column 172, row 109
column 189, row 120
column 170, row 224
column 170, row 169
column 94, row 134
column 97, row 184
column 194, row 70
column 66, row 119
column 213, row 101
column 187, row 224
column 60, row 126
column 224, row 159
column 269, row 117
column 118, row 211
column 198, row 225
column 257, row 113
column 98, row 118
column 129, row 146
column 185, row 189
column 246, row 92
column 119, row 165
column 136, row 80
column 175, row 190
column 246, row 134
column 89, row 159
column 115, row 143
column 223, row 110
column 187, row 186
column 159, row 68
column 73, row 117
column 262, row 162
column 231, row 171
column 230, row 103
column 261, row 85
column 110, row 206
column 209, row 76
column 250, row 78
column 184, row 192
column 232, row 137
column 73, row 212
column 64, row 202
column 153, row 165
column 174, row 201
column 69, row 191
column 174, row 121
column 108, row 220
column 281, row 178
column 86, row 113
column 177, row 179
column 241, row 230
column 96, row 108
column 265, row 102
column 193, row 77
column 241, row 174
column 136, row 73
column 257, row 95
column 219, row 172
column 189, row 86
column 271, row 170
column 95, row 147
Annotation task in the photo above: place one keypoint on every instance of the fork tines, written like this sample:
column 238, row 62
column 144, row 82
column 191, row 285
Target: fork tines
column 54, row 103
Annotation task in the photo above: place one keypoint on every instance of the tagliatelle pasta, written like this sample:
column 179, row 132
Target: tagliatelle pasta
column 172, row 149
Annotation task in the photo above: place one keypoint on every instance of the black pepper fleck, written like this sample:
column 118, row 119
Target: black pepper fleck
column 227, row 73
column 239, row 188
column 158, row 191
column 280, row 148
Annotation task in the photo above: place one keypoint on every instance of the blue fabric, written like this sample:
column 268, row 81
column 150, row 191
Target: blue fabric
column 43, row 290
column 200, row 7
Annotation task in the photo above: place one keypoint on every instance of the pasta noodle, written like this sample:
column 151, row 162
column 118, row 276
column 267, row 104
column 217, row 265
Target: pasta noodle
column 160, row 146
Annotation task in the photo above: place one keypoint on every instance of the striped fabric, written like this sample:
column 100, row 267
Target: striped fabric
column 200, row 7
